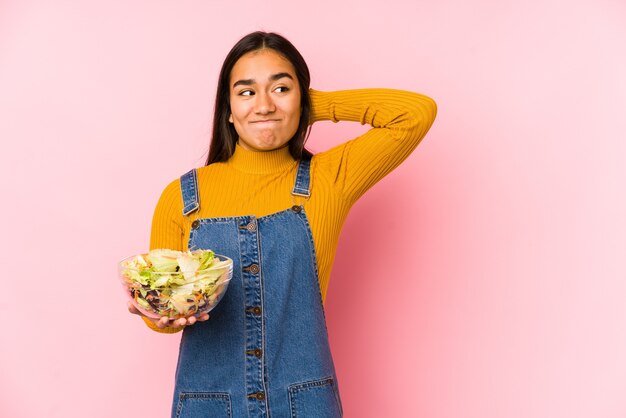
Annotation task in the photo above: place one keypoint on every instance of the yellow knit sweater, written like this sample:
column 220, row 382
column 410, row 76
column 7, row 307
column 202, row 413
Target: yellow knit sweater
column 260, row 183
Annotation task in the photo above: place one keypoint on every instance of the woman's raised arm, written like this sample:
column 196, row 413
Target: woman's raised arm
column 399, row 120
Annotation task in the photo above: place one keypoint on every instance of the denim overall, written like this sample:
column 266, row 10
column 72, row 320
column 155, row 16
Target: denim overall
column 264, row 351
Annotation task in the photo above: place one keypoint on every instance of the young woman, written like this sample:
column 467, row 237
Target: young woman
column 277, row 210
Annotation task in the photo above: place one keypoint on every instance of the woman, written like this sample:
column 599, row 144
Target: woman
column 276, row 210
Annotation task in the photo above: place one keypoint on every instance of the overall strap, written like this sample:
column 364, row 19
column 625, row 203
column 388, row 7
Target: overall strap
column 303, row 178
column 189, row 188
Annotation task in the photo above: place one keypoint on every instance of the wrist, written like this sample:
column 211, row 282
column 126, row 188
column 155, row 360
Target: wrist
column 317, row 106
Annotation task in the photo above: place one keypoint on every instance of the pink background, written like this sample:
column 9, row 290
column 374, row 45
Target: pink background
column 485, row 277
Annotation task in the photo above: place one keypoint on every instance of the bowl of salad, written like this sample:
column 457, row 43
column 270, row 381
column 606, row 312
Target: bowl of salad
column 175, row 284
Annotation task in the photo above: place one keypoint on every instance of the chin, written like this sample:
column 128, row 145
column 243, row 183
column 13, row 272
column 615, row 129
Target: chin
column 264, row 147
column 274, row 147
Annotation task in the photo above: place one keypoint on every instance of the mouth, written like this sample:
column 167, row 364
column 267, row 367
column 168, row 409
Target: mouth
column 265, row 121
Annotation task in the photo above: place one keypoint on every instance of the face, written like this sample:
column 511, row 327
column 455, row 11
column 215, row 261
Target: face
column 264, row 100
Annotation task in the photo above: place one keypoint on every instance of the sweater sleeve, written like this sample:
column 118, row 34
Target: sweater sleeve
column 167, row 229
column 399, row 121
column 167, row 232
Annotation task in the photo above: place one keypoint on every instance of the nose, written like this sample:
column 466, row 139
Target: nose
column 264, row 104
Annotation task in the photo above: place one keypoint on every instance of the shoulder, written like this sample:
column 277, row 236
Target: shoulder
column 333, row 160
column 170, row 196
column 328, row 158
column 174, row 187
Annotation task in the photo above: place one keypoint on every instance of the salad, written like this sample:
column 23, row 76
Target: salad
column 175, row 284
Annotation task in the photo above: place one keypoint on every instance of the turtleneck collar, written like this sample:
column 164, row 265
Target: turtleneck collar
column 261, row 162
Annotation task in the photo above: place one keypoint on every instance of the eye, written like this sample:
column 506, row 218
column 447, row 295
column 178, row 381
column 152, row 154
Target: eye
column 245, row 93
column 281, row 89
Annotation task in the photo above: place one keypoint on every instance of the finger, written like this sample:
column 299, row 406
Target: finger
column 181, row 322
column 203, row 317
column 163, row 322
column 191, row 320
column 131, row 308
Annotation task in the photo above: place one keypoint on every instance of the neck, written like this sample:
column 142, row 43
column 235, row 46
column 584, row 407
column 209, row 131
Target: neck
column 261, row 162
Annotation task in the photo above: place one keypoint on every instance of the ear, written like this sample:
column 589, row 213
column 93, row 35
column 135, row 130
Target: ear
column 230, row 118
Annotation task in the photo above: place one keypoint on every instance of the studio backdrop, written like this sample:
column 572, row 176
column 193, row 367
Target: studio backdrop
column 483, row 278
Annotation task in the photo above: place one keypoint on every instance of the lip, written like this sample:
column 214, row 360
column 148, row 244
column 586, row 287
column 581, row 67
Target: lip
column 264, row 121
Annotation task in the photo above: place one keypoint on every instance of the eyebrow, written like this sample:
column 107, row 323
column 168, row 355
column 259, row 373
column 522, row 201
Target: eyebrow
column 250, row 81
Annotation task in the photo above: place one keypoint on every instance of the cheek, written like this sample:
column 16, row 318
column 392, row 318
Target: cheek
column 235, row 121
column 295, row 111
column 237, row 117
column 296, row 116
column 238, row 108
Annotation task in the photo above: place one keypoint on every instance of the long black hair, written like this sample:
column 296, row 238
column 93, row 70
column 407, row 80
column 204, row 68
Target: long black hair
column 224, row 134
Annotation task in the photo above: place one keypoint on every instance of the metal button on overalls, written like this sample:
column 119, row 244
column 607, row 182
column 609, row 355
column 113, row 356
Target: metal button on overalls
column 264, row 351
column 253, row 268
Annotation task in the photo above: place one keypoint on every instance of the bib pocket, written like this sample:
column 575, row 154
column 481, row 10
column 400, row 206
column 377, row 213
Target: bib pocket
column 315, row 399
column 203, row 404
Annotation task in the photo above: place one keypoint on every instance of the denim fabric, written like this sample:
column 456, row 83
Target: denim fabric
column 264, row 351
column 303, row 178
column 190, row 193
